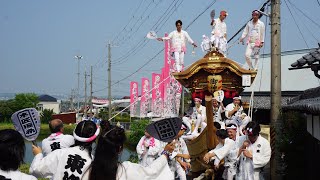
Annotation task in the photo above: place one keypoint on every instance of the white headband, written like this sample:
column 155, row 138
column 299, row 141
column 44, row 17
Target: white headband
column 239, row 97
column 89, row 139
column 232, row 127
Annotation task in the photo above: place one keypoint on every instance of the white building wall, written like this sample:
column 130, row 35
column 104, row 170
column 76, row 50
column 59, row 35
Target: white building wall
column 55, row 106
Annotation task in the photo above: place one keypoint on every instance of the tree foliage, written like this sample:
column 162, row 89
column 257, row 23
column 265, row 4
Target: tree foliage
column 46, row 115
column 137, row 129
column 21, row 101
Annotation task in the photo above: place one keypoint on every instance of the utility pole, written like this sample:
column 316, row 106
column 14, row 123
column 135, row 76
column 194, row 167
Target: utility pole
column 78, row 90
column 85, row 94
column 91, row 92
column 182, row 102
column 71, row 99
column 275, row 84
column 109, row 79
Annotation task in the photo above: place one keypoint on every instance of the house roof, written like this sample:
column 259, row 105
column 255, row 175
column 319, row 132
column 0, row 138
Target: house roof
column 290, row 80
column 308, row 59
column 47, row 98
column 264, row 102
column 309, row 101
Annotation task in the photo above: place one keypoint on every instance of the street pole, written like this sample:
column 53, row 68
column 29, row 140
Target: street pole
column 91, row 92
column 275, row 84
column 78, row 90
column 109, row 79
column 85, row 94
column 182, row 102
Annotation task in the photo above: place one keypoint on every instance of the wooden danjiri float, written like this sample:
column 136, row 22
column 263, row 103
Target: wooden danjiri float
column 211, row 73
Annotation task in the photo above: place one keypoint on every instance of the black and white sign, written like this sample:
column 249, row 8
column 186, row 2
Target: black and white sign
column 27, row 123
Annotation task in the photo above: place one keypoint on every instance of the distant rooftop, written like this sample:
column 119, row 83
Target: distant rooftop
column 47, row 98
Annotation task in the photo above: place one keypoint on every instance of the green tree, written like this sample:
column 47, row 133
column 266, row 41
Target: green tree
column 137, row 129
column 6, row 110
column 46, row 115
column 25, row 100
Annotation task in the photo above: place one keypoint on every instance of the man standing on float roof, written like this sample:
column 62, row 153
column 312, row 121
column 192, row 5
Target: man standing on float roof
column 178, row 40
column 255, row 31
column 219, row 32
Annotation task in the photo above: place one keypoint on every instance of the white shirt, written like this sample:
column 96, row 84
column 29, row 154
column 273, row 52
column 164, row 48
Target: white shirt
column 16, row 175
column 217, row 114
column 158, row 170
column 148, row 155
column 222, row 150
column 56, row 141
column 219, row 28
column 261, row 153
column 229, row 108
column 178, row 40
column 61, row 163
column 255, row 32
column 202, row 113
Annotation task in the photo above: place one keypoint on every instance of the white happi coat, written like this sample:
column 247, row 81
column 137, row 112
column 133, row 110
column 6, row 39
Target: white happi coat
column 56, row 141
column 148, row 155
column 180, row 148
column 15, row 175
column 62, row 163
column 178, row 41
column 217, row 116
column 235, row 118
column 249, row 169
column 255, row 32
column 158, row 170
column 218, row 35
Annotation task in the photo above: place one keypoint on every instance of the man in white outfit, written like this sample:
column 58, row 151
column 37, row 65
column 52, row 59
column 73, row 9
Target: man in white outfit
column 56, row 140
column 148, row 149
column 255, row 31
column 219, row 33
column 254, row 153
column 233, row 111
column 199, row 115
column 178, row 39
column 218, row 108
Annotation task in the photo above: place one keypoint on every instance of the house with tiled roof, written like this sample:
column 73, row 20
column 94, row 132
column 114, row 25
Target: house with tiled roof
column 293, row 83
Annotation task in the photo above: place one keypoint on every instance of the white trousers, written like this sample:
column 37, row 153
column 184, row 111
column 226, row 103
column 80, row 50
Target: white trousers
column 252, row 51
column 178, row 56
column 199, row 121
column 220, row 43
column 181, row 173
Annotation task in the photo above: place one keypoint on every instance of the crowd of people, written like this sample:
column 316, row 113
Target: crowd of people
column 64, row 156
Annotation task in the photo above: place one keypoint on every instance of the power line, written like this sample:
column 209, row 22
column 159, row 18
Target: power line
column 296, row 24
column 159, row 51
column 145, row 41
column 128, row 21
column 317, row 24
column 307, row 28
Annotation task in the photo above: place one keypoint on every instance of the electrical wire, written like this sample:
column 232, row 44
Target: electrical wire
column 296, row 24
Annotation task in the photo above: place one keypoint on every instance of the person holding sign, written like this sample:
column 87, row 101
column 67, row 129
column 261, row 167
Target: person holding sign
column 12, row 150
column 67, row 163
column 106, row 163
column 178, row 39
column 148, row 149
column 56, row 140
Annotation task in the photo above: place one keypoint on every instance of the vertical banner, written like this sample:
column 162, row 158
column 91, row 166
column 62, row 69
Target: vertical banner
column 169, row 100
column 145, row 97
column 157, row 95
column 133, row 98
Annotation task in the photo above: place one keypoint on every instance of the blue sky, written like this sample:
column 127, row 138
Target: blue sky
column 39, row 38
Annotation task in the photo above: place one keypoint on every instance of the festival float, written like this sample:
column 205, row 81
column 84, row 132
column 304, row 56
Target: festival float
column 205, row 78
